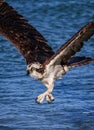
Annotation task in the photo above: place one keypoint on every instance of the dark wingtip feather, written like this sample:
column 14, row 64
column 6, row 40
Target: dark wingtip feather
column 79, row 61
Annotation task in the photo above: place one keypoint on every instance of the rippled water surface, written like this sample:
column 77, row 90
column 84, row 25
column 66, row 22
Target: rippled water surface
column 73, row 108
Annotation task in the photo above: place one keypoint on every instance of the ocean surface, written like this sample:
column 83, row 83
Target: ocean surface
column 73, row 108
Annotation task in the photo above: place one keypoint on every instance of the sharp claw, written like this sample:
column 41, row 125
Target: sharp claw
column 40, row 98
column 49, row 98
column 50, row 101
column 53, row 100
column 36, row 100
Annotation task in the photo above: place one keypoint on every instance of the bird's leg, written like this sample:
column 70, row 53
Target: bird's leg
column 47, row 94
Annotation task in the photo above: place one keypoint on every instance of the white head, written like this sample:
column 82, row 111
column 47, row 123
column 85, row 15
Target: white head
column 32, row 70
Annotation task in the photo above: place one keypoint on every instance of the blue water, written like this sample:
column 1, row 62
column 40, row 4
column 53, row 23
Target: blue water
column 73, row 108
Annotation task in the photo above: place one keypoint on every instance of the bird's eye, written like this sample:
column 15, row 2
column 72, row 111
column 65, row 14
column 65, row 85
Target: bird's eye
column 32, row 69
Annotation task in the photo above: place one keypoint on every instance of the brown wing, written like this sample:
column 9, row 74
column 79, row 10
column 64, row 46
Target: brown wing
column 73, row 45
column 25, row 38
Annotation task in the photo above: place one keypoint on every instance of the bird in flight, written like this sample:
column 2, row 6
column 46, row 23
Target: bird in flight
column 42, row 62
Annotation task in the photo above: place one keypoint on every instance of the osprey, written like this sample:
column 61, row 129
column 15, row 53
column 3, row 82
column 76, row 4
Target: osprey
column 42, row 62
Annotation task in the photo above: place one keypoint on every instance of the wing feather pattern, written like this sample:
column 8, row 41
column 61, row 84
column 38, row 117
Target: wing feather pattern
column 79, row 61
column 72, row 46
column 32, row 45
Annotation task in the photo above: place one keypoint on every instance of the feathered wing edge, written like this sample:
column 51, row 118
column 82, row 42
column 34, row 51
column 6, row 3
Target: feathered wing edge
column 79, row 61
column 32, row 45
column 72, row 46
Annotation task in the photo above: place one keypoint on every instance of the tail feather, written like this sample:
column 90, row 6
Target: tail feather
column 79, row 61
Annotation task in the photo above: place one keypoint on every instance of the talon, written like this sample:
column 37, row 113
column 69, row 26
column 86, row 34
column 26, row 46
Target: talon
column 49, row 98
column 40, row 98
column 36, row 100
column 53, row 100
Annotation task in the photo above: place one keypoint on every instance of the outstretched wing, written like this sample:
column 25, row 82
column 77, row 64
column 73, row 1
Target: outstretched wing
column 72, row 46
column 25, row 38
